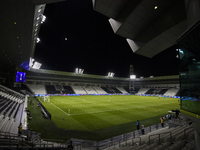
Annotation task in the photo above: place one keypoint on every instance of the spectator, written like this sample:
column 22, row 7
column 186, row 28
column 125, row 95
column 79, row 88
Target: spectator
column 28, row 112
column 70, row 146
column 138, row 124
column 177, row 113
column 20, row 129
column 169, row 116
column 162, row 122
column 30, row 117
column 142, row 128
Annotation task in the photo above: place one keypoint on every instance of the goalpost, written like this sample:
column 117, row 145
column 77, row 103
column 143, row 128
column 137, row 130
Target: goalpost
column 46, row 98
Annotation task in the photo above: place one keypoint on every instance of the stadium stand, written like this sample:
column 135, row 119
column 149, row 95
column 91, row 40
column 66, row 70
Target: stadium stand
column 11, row 105
column 111, row 90
column 162, row 91
column 89, row 90
column 79, row 90
column 171, row 92
column 52, row 90
column 122, row 90
column 116, row 90
column 156, row 137
column 68, row 90
column 99, row 90
column 37, row 89
column 151, row 91
column 142, row 90
column 59, row 88
column 108, row 90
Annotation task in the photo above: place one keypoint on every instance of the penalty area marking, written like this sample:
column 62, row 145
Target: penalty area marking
column 60, row 109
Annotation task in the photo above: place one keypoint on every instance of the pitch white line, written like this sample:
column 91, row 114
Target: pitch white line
column 60, row 109
column 59, row 101
column 115, row 110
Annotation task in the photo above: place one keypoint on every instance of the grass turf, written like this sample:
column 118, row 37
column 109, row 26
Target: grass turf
column 99, row 117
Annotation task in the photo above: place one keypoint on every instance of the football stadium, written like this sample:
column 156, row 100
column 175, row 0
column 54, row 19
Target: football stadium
column 115, row 102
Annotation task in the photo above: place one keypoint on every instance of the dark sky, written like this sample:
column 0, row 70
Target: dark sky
column 92, row 45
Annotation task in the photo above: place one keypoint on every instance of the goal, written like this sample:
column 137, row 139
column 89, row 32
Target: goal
column 46, row 98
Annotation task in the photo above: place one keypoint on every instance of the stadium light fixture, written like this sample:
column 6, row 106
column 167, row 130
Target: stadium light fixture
column 79, row 71
column 43, row 18
column 38, row 40
column 31, row 62
column 37, row 65
column 111, row 74
column 132, row 76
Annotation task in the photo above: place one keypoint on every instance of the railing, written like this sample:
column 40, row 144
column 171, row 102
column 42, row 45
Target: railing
column 159, row 136
column 118, row 140
column 185, row 135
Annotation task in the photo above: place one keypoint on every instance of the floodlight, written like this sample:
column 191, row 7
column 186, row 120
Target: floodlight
column 182, row 52
column 82, row 71
column 65, row 39
column 151, row 76
column 76, row 71
column 37, row 65
column 31, row 62
column 155, row 7
column 111, row 74
column 43, row 18
column 177, row 50
column 132, row 76
column 79, row 71
column 38, row 40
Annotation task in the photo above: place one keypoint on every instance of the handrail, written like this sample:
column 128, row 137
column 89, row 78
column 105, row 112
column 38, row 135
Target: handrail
column 135, row 138
column 159, row 136
column 187, row 129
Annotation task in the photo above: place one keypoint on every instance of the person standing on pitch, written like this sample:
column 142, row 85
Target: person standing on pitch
column 138, row 124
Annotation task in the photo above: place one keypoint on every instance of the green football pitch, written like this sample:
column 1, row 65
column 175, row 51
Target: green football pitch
column 90, row 113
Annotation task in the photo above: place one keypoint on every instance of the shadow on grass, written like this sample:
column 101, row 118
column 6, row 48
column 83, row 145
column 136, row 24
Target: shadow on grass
column 49, row 130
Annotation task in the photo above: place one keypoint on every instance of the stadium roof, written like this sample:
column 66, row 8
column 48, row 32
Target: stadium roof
column 19, row 29
column 148, row 31
column 149, row 26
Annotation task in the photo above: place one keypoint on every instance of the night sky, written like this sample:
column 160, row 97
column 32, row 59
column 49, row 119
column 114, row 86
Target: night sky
column 92, row 45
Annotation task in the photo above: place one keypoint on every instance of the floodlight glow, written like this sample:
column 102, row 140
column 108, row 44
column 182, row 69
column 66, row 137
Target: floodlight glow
column 31, row 62
column 141, row 77
column 180, row 51
column 76, row 71
column 132, row 76
column 151, row 76
column 111, row 74
column 82, row 71
column 38, row 40
column 65, row 39
column 155, row 7
column 177, row 50
column 79, row 71
column 177, row 56
column 43, row 18
column 37, row 65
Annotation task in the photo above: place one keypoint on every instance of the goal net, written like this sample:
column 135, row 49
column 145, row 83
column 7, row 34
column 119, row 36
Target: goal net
column 46, row 98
